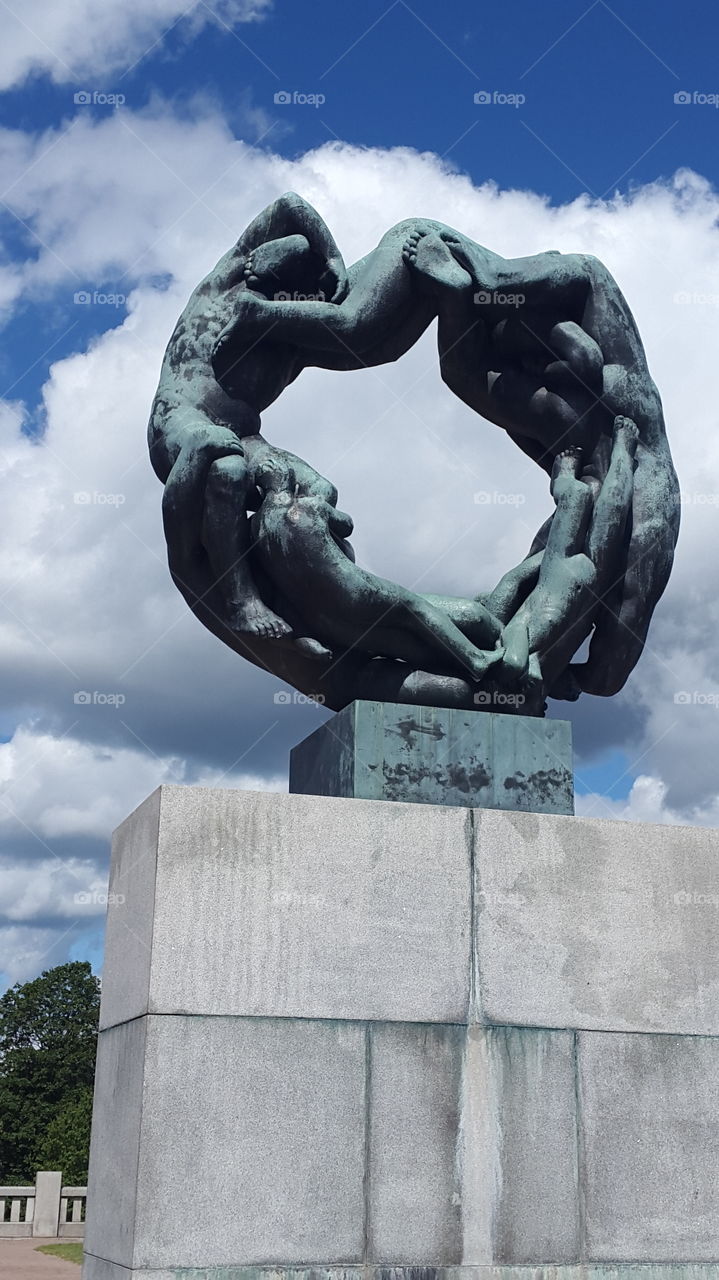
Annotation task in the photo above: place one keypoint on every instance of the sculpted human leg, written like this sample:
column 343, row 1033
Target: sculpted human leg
column 226, row 535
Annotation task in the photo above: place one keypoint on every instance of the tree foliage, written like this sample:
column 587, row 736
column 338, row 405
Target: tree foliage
column 48, row 1031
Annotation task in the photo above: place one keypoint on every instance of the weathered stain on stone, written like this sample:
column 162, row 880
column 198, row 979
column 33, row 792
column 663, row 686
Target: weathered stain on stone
column 515, row 781
column 542, row 784
column 479, row 777
column 403, row 774
column 457, row 776
column 407, row 1273
column 405, row 729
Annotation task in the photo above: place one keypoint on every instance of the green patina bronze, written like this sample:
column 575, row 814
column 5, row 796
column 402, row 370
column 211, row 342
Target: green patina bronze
column 439, row 755
column 545, row 347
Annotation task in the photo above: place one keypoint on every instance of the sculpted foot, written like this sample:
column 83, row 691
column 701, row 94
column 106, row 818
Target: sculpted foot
column 409, row 248
column 253, row 618
column 270, row 268
column 626, row 432
column 432, row 259
column 457, row 250
column 250, row 273
column 567, row 463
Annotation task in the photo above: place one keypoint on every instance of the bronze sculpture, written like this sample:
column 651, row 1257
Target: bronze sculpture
column 256, row 543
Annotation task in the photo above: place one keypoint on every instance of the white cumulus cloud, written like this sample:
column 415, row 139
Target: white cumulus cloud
column 68, row 39
column 86, row 600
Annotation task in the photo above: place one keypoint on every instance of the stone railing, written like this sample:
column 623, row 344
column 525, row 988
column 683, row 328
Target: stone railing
column 48, row 1209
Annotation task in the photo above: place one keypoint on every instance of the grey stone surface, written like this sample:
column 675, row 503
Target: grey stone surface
column 276, row 905
column 473, row 1146
column 98, row 1269
column 225, row 1138
column 131, row 909
column 380, row 1143
column 649, row 1108
column 270, row 904
column 414, row 1208
column 101, row 1269
column 437, row 755
column 592, row 924
column 46, row 1211
column 115, row 1142
column 252, row 1144
column 518, row 1147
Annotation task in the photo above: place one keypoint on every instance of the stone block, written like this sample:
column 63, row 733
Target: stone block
column 274, row 905
column 46, row 1211
column 115, row 1142
column 314, row 1095
column 437, row 755
column 414, row 1208
column 599, row 925
column 518, row 1147
column 649, row 1132
column 131, row 913
column 98, row 1269
column 472, row 1146
column 245, row 1142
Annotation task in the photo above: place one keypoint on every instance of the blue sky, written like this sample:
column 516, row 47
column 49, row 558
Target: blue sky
column 599, row 82
column 136, row 140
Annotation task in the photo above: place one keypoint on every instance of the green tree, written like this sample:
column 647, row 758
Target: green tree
column 66, row 1143
column 48, row 1032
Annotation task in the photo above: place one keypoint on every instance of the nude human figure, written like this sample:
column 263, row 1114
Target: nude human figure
column 196, row 427
column 355, row 610
column 225, row 521
column 555, row 375
column 584, row 537
column 198, row 420
column 299, row 539
column 572, row 401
